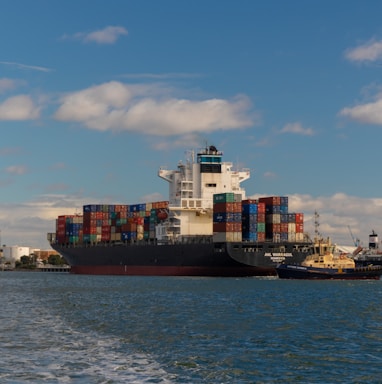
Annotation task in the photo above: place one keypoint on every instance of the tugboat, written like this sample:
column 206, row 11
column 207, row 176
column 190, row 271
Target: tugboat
column 327, row 264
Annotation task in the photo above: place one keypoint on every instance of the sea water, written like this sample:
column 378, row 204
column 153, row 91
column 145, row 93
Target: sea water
column 63, row 328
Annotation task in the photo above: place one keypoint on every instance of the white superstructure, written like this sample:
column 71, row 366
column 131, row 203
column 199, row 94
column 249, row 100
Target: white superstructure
column 191, row 190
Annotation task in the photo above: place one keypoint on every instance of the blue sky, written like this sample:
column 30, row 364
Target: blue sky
column 95, row 96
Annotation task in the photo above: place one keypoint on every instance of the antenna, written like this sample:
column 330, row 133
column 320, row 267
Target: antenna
column 316, row 224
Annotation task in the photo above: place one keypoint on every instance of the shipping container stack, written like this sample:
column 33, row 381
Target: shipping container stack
column 69, row 229
column 234, row 220
column 253, row 220
column 280, row 225
column 110, row 223
column 126, row 223
column 227, row 225
column 158, row 213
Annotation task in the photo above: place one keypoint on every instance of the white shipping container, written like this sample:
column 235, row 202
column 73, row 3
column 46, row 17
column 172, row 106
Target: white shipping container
column 273, row 218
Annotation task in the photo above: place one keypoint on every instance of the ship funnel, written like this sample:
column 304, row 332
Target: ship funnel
column 373, row 240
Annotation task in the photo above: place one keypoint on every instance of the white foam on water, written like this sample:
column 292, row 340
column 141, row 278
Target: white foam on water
column 37, row 346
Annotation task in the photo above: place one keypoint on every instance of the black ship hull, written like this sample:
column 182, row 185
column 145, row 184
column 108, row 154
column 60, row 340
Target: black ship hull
column 199, row 259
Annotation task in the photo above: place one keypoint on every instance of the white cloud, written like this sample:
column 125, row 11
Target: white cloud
column 16, row 169
column 6, row 151
column 25, row 66
column 107, row 35
column 7, row 85
column 149, row 109
column 269, row 175
column 19, row 107
column 370, row 51
column 297, row 128
column 370, row 113
column 161, row 76
column 94, row 103
column 28, row 223
column 187, row 140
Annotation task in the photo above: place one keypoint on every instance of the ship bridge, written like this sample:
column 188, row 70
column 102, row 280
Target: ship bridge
column 193, row 184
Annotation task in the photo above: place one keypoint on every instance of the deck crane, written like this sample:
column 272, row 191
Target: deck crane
column 356, row 241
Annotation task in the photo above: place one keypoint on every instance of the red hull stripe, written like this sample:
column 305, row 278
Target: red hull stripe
column 171, row 271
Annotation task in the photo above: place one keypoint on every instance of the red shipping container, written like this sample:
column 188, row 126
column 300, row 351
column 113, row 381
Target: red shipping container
column 299, row 227
column 61, row 239
column 105, row 229
column 249, row 201
column 299, row 218
column 273, row 228
column 261, row 208
column 270, row 200
column 105, row 236
column 139, row 220
column 223, row 207
column 227, row 227
column 261, row 217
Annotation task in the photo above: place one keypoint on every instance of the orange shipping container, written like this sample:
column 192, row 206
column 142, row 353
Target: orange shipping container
column 260, row 236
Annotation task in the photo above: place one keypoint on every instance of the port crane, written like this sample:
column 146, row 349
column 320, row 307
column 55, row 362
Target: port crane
column 356, row 241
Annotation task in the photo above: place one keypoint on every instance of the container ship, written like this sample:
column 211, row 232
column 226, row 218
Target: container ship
column 369, row 255
column 207, row 227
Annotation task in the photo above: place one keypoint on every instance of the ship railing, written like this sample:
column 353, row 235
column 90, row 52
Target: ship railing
column 196, row 239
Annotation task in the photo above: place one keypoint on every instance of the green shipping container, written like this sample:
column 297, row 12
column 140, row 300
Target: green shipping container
column 228, row 197
column 261, row 227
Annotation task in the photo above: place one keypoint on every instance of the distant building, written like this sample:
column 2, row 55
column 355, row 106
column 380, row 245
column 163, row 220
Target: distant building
column 14, row 253
column 43, row 255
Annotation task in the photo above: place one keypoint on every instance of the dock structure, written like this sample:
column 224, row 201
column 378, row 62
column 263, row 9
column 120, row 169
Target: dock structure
column 54, row 268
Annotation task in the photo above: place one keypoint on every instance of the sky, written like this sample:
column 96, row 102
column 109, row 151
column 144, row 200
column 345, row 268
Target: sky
column 96, row 96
